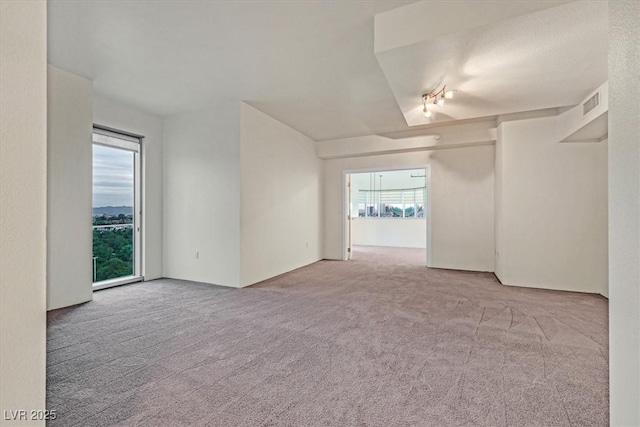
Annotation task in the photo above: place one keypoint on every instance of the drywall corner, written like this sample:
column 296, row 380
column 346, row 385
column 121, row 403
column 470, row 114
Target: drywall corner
column 201, row 196
column 550, row 226
column 281, row 198
column 69, row 177
column 624, row 212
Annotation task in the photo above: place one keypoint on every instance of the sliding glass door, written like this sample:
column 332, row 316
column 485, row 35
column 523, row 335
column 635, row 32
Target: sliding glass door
column 116, row 208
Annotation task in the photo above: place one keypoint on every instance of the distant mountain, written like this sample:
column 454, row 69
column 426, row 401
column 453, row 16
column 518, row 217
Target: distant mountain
column 113, row 210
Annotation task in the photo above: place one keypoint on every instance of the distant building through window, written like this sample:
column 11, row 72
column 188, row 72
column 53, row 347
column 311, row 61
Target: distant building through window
column 396, row 203
column 389, row 194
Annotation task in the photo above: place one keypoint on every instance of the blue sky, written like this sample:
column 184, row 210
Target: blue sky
column 112, row 177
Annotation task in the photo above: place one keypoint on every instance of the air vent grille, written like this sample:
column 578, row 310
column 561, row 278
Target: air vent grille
column 590, row 104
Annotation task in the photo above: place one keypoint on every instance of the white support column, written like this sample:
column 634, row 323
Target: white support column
column 624, row 212
column 23, row 208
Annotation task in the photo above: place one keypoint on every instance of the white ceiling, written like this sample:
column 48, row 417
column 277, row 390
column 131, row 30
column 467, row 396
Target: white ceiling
column 393, row 179
column 550, row 58
column 311, row 64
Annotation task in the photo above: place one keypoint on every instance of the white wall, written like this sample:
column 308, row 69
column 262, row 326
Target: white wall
column 624, row 212
column 113, row 114
column 552, row 209
column 281, row 198
column 461, row 203
column 393, row 232
column 69, row 244
column 23, row 209
column 201, row 196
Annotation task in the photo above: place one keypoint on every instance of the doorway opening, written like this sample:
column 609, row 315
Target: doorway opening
column 117, row 188
column 387, row 208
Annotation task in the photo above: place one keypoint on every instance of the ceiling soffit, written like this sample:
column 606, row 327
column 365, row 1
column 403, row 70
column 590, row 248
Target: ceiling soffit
column 529, row 61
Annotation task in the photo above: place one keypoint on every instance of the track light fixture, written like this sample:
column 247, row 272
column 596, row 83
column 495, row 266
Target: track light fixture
column 435, row 98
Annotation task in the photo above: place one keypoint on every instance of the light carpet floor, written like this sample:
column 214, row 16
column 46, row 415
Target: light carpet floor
column 376, row 341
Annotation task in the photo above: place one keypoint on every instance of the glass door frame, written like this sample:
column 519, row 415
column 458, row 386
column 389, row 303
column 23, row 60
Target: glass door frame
column 111, row 138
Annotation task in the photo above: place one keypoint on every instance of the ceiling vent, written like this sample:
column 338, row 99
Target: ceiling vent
column 590, row 104
column 587, row 121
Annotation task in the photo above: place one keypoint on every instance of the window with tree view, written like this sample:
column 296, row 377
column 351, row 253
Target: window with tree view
column 115, row 226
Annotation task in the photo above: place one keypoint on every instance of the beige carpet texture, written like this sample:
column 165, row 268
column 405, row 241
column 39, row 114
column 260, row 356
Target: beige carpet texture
column 380, row 340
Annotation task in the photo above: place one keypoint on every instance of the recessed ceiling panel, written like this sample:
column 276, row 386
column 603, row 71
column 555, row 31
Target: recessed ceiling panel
column 544, row 59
